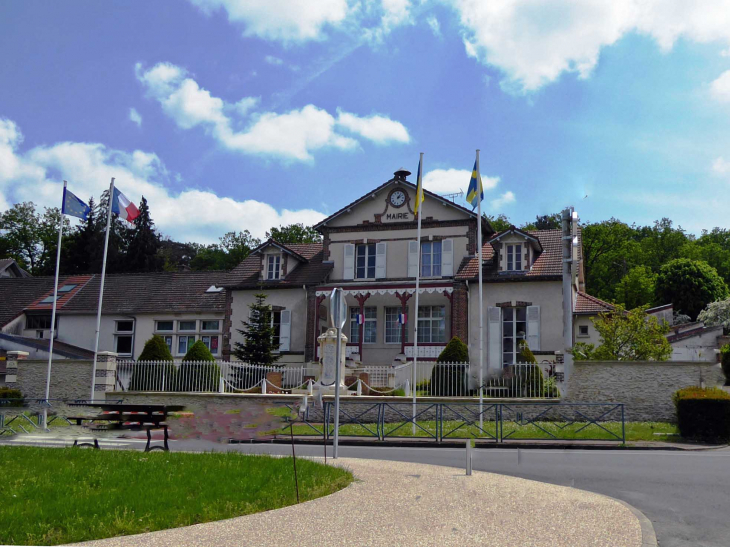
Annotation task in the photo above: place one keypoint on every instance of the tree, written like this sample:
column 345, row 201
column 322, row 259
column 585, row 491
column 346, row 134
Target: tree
column 258, row 347
column 155, row 349
column 499, row 223
column 233, row 248
column 153, row 377
column 690, row 285
column 199, row 371
column 119, row 235
column 85, row 246
column 627, row 336
column 636, row 288
column 545, row 222
column 144, row 243
column 717, row 314
column 294, row 233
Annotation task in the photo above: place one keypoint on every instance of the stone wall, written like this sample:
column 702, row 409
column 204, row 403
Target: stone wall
column 646, row 387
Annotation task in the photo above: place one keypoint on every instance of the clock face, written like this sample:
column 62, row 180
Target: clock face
column 398, row 198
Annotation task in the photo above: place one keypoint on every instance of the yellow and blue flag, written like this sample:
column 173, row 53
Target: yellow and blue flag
column 74, row 206
column 475, row 193
column 419, row 190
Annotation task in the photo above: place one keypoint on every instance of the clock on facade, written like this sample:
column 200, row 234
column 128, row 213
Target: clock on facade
column 398, row 198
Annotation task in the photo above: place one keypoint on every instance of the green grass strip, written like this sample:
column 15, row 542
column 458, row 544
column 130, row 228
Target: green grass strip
column 51, row 496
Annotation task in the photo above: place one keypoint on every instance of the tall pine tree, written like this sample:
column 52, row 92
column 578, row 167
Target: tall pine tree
column 258, row 346
column 85, row 246
column 144, row 243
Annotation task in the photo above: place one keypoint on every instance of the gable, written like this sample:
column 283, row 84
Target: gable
column 394, row 203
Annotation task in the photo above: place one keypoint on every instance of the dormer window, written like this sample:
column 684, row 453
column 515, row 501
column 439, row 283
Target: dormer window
column 273, row 267
column 514, row 258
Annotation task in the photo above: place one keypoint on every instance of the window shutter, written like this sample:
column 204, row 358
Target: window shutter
column 381, row 251
column 349, row 262
column 494, row 320
column 447, row 257
column 412, row 258
column 533, row 327
column 285, row 330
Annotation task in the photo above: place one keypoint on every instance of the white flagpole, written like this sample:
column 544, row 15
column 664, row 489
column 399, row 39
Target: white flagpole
column 53, row 314
column 419, row 183
column 481, row 300
column 101, row 288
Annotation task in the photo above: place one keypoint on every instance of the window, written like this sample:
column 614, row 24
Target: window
column 184, row 343
column 168, row 342
column 273, row 267
column 514, row 329
column 431, row 259
column 370, row 328
column 583, row 330
column 187, row 326
column 431, row 324
column 67, row 288
column 514, row 258
column 125, row 326
column 165, row 326
column 124, row 344
column 48, row 300
column 210, row 325
column 365, row 261
column 393, row 328
column 211, row 342
column 39, row 322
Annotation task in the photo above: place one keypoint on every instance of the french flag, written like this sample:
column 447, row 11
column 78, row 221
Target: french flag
column 123, row 207
column 360, row 318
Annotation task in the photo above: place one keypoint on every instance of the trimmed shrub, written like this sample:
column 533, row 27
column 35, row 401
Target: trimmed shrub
column 198, row 371
column 703, row 413
column 526, row 355
column 725, row 353
column 148, row 377
column 12, row 397
column 455, row 351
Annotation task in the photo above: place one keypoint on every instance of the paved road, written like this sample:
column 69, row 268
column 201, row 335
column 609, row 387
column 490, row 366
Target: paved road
column 686, row 495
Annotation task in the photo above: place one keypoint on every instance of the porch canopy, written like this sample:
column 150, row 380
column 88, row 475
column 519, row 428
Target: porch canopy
column 382, row 338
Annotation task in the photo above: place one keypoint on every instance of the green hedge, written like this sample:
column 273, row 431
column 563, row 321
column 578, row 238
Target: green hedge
column 8, row 393
column 703, row 413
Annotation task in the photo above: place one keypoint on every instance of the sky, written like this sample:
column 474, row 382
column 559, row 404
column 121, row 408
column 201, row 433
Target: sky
column 247, row 114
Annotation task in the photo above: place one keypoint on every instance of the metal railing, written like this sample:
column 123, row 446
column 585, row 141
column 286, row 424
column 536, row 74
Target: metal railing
column 496, row 422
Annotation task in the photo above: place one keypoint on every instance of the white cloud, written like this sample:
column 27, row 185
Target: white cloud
column 282, row 20
column 721, row 166
column 377, row 128
column 273, row 60
column 505, row 199
column 450, row 181
column 534, row 42
column 434, row 24
column 292, row 135
column 190, row 215
column 720, row 88
column 135, row 117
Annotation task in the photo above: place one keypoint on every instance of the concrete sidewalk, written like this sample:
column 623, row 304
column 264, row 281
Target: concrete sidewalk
column 395, row 503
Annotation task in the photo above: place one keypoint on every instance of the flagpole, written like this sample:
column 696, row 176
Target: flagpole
column 53, row 313
column 101, row 288
column 419, row 186
column 481, row 300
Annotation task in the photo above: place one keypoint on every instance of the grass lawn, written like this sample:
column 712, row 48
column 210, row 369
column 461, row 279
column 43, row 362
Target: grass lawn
column 50, row 496
column 635, row 431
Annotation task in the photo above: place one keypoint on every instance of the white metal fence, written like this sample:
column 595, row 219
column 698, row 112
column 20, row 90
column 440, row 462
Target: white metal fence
column 432, row 380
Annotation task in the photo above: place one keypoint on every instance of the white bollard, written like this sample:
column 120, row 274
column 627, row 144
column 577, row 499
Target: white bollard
column 468, row 456
column 263, row 386
column 310, row 387
column 408, row 389
column 221, row 385
column 359, row 387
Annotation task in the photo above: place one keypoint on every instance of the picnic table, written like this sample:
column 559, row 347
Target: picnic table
column 133, row 417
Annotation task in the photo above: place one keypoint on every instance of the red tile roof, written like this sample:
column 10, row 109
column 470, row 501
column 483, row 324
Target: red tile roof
column 590, row 305
column 548, row 265
column 63, row 297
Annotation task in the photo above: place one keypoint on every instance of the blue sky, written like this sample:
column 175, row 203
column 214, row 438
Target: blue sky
column 243, row 114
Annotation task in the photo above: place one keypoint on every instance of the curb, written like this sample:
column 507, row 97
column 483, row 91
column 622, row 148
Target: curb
column 648, row 536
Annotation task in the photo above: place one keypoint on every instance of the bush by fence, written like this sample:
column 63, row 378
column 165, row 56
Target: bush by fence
column 703, row 413
column 9, row 395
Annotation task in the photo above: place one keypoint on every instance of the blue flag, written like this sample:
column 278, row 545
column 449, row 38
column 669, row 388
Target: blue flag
column 475, row 193
column 74, row 206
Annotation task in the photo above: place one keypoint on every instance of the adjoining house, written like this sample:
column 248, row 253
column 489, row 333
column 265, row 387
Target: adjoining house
column 10, row 268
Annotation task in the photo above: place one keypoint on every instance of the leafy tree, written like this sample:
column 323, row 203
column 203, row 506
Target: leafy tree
column 258, row 346
column 294, row 233
column 716, row 314
column 85, row 246
column 144, row 243
column 636, row 288
column 119, row 235
column 690, row 285
column 233, row 248
column 545, row 222
column 627, row 336
column 500, row 223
